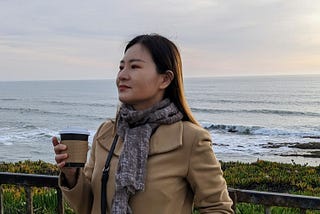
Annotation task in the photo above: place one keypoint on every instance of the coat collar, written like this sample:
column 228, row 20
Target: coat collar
column 165, row 139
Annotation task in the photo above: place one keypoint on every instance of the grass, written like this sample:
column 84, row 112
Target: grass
column 274, row 177
column 261, row 175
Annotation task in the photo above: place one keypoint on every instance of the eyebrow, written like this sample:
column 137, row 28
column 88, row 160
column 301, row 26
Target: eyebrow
column 134, row 60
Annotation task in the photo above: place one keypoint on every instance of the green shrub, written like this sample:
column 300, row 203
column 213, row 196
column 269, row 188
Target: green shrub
column 273, row 177
column 261, row 175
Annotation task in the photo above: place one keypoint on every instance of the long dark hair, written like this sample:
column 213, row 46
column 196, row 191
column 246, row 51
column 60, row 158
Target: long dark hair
column 166, row 56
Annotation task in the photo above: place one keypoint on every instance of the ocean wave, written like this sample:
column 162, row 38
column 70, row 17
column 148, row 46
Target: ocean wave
column 267, row 102
column 32, row 110
column 21, row 110
column 258, row 111
column 233, row 128
column 23, row 134
column 79, row 104
column 225, row 101
column 31, row 137
column 65, row 103
column 8, row 99
column 28, row 126
column 256, row 130
column 38, row 111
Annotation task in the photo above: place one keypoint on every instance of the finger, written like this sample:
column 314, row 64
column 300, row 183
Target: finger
column 59, row 148
column 61, row 158
column 55, row 141
column 61, row 164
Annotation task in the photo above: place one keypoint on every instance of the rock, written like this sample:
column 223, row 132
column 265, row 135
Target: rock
column 310, row 145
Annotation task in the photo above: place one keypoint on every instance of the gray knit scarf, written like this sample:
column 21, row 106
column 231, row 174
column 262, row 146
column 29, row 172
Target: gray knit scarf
column 136, row 128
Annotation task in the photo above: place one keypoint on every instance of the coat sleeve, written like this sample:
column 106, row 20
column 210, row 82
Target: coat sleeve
column 206, row 177
column 80, row 196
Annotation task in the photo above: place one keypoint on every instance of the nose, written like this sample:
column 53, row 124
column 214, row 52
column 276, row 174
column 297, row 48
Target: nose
column 123, row 74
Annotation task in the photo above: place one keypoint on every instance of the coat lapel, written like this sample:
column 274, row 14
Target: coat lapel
column 105, row 139
column 166, row 138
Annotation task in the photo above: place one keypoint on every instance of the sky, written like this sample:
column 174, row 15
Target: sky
column 81, row 39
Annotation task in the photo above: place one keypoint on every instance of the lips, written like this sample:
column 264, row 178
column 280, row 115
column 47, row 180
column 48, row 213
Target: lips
column 123, row 87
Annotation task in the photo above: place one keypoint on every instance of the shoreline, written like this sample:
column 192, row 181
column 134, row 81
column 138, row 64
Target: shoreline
column 287, row 152
column 297, row 159
column 302, row 153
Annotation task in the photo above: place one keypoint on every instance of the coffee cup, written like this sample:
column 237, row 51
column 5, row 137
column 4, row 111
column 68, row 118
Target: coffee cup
column 76, row 140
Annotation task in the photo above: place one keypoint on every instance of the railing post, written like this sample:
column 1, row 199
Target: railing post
column 267, row 210
column 1, row 200
column 233, row 196
column 29, row 199
column 60, row 201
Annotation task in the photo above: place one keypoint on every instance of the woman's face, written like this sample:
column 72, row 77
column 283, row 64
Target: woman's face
column 139, row 84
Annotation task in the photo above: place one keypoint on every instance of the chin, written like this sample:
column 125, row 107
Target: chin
column 124, row 100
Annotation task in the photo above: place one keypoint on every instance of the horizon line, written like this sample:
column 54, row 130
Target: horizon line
column 185, row 77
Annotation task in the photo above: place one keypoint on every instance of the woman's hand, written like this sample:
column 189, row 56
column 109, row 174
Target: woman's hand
column 60, row 157
column 58, row 149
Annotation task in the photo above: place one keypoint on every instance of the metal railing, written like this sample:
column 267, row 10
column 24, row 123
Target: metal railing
column 28, row 181
column 273, row 199
column 267, row 199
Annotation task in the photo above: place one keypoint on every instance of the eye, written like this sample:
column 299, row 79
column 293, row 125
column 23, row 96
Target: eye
column 121, row 67
column 134, row 66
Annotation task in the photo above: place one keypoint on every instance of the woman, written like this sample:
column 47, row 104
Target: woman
column 163, row 161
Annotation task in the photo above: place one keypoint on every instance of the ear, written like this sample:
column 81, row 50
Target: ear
column 166, row 79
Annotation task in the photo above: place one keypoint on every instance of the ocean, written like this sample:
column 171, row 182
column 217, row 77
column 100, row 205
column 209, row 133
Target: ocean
column 249, row 118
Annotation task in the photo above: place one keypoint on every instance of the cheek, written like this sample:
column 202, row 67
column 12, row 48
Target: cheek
column 147, row 86
column 146, row 83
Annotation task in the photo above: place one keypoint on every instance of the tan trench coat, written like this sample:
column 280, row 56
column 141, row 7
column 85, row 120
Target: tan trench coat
column 182, row 172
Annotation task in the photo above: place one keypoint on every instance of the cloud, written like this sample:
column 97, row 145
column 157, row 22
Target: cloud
column 215, row 36
column 75, row 58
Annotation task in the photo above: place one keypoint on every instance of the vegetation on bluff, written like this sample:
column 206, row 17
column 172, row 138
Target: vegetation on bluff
column 260, row 175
